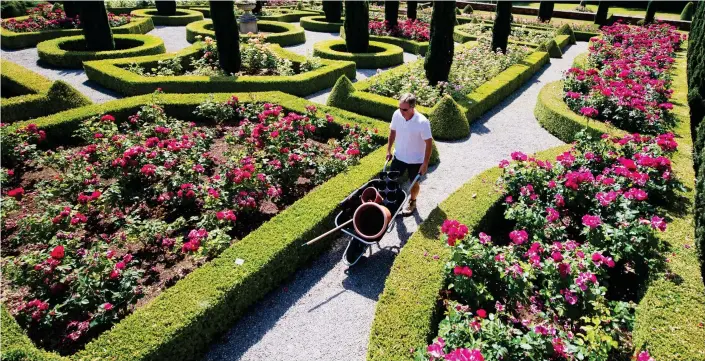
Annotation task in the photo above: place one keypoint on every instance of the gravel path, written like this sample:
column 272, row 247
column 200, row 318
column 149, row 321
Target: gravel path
column 324, row 312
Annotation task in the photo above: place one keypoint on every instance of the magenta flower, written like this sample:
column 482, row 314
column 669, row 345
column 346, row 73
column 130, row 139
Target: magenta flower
column 519, row 237
column 591, row 221
column 589, row 112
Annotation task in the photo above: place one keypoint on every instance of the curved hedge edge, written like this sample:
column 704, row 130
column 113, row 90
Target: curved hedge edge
column 391, row 56
column 12, row 40
column 181, row 321
column 407, row 313
column 581, row 60
column 584, row 35
column 112, row 75
column 175, row 20
column 15, row 344
column 289, row 15
column 409, row 46
column 670, row 315
column 292, row 34
column 51, row 53
column 314, row 23
column 43, row 97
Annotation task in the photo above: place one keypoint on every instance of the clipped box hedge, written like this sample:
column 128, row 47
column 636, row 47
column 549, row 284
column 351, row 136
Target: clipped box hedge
column 564, row 36
column 12, row 40
column 409, row 46
column 319, row 24
column 182, row 17
column 113, row 75
column 286, row 15
column 61, row 54
column 281, row 33
column 408, row 311
column 35, row 95
column 380, row 55
column 181, row 322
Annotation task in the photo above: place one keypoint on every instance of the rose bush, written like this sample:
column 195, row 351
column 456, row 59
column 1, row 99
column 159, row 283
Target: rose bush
column 519, row 33
column 91, row 229
column 578, row 223
column 50, row 17
column 406, row 29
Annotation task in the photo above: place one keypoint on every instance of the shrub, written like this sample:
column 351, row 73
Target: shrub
column 55, row 51
column 378, row 54
column 411, row 7
column 332, row 11
column 439, row 58
column 502, row 26
column 448, row 121
column 546, row 11
column 391, row 13
column 467, row 9
column 166, row 7
column 225, row 27
column 182, row 17
column 650, row 16
column 601, row 15
column 281, row 33
column 696, row 81
column 357, row 18
column 96, row 29
column 318, row 23
column 688, row 11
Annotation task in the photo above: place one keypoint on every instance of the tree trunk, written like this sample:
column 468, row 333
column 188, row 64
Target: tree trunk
column 71, row 8
column 357, row 19
column 440, row 50
column 502, row 26
column 650, row 12
column 166, row 7
column 226, row 35
column 391, row 13
column 601, row 16
column 546, row 11
column 411, row 6
column 332, row 10
column 96, row 28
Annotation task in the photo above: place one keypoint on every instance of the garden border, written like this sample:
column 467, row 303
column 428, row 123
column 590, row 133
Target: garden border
column 179, row 323
column 292, row 34
column 50, row 51
column 564, row 36
column 390, row 56
column 109, row 74
column 314, row 23
column 288, row 15
column 43, row 96
column 188, row 16
column 12, row 40
column 409, row 46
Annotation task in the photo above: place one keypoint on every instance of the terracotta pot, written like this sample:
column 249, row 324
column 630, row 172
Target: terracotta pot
column 370, row 194
column 371, row 220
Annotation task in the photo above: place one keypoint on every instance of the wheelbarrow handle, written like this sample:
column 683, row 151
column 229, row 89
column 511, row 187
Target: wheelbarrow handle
column 327, row 233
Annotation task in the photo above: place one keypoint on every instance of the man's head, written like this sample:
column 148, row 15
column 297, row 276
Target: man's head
column 407, row 103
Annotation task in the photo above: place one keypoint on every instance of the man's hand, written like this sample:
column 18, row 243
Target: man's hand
column 423, row 169
column 389, row 155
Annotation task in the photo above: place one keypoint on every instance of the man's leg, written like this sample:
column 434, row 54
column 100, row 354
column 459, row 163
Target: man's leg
column 413, row 170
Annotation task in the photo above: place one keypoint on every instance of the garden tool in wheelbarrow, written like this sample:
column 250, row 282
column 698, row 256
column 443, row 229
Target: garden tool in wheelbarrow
column 368, row 213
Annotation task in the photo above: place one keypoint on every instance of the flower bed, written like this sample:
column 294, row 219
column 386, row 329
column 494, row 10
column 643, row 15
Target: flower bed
column 405, row 29
column 52, row 17
column 278, row 32
column 182, row 17
column 318, row 23
column 558, row 282
column 144, row 200
column 519, row 33
column 629, row 81
column 378, row 55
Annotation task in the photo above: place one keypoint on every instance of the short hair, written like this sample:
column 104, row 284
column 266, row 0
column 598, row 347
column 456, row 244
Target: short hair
column 409, row 99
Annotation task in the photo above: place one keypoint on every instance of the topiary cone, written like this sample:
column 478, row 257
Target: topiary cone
column 341, row 91
column 467, row 9
column 448, row 122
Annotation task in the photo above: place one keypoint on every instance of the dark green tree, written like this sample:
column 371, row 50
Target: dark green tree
column 650, row 12
column 502, row 26
column 71, row 8
column 166, row 7
column 602, row 9
column 546, row 11
column 411, row 6
column 258, row 7
column 440, row 49
column 391, row 13
column 357, row 19
column 226, row 35
column 332, row 10
column 688, row 10
column 96, row 28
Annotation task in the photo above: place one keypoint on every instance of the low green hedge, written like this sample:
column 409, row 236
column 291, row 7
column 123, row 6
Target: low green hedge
column 318, row 23
column 182, row 17
column 355, row 97
column 448, row 121
column 409, row 46
column 281, row 33
column 36, row 95
column 181, row 322
column 408, row 311
column 287, row 15
column 581, row 61
column 564, row 36
column 113, row 75
column 12, row 40
column 584, row 35
column 60, row 52
column 381, row 55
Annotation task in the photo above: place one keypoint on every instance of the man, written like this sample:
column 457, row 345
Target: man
column 412, row 133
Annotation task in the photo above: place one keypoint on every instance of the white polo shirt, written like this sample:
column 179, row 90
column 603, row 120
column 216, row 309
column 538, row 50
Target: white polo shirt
column 411, row 137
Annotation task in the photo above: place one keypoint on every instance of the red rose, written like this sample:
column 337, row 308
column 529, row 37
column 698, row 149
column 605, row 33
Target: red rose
column 57, row 252
column 481, row 313
column 16, row 193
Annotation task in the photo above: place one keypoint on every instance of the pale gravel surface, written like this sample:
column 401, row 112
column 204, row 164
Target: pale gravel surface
column 325, row 310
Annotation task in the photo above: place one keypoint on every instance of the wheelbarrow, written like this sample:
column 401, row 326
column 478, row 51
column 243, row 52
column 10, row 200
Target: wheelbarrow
column 360, row 212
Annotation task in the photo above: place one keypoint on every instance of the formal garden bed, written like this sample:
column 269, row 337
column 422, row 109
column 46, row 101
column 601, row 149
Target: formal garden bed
column 46, row 22
column 378, row 55
column 548, row 39
column 266, row 67
column 411, row 35
column 182, row 17
column 70, row 52
column 26, row 94
column 275, row 32
column 318, row 23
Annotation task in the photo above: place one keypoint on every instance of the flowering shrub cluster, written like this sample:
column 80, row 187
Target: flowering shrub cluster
column 471, row 68
column 50, row 17
column 89, row 230
column 257, row 58
column 579, row 223
column 407, row 29
column 519, row 33
column 629, row 82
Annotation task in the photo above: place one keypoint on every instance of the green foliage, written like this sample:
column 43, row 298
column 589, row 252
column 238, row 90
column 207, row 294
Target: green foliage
column 552, row 48
column 15, row 8
column 52, row 51
column 467, row 9
column 502, row 26
column 357, row 18
column 318, row 23
column 378, row 55
column 96, row 29
column 696, row 78
column 411, row 7
column 688, row 11
column 341, row 91
column 448, row 121
column 225, row 29
column 281, row 33
column 699, row 213
column 546, row 10
column 650, row 12
column 391, row 12
column 183, row 16
column 113, row 74
column 166, row 7
column 440, row 48
column 71, row 8
column 332, row 11
column 601, row 15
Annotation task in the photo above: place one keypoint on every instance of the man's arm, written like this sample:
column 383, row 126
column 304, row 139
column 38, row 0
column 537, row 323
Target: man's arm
column 390, row 142
column 427, row 156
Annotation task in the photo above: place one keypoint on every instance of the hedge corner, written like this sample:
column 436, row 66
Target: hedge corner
column 341, row 91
